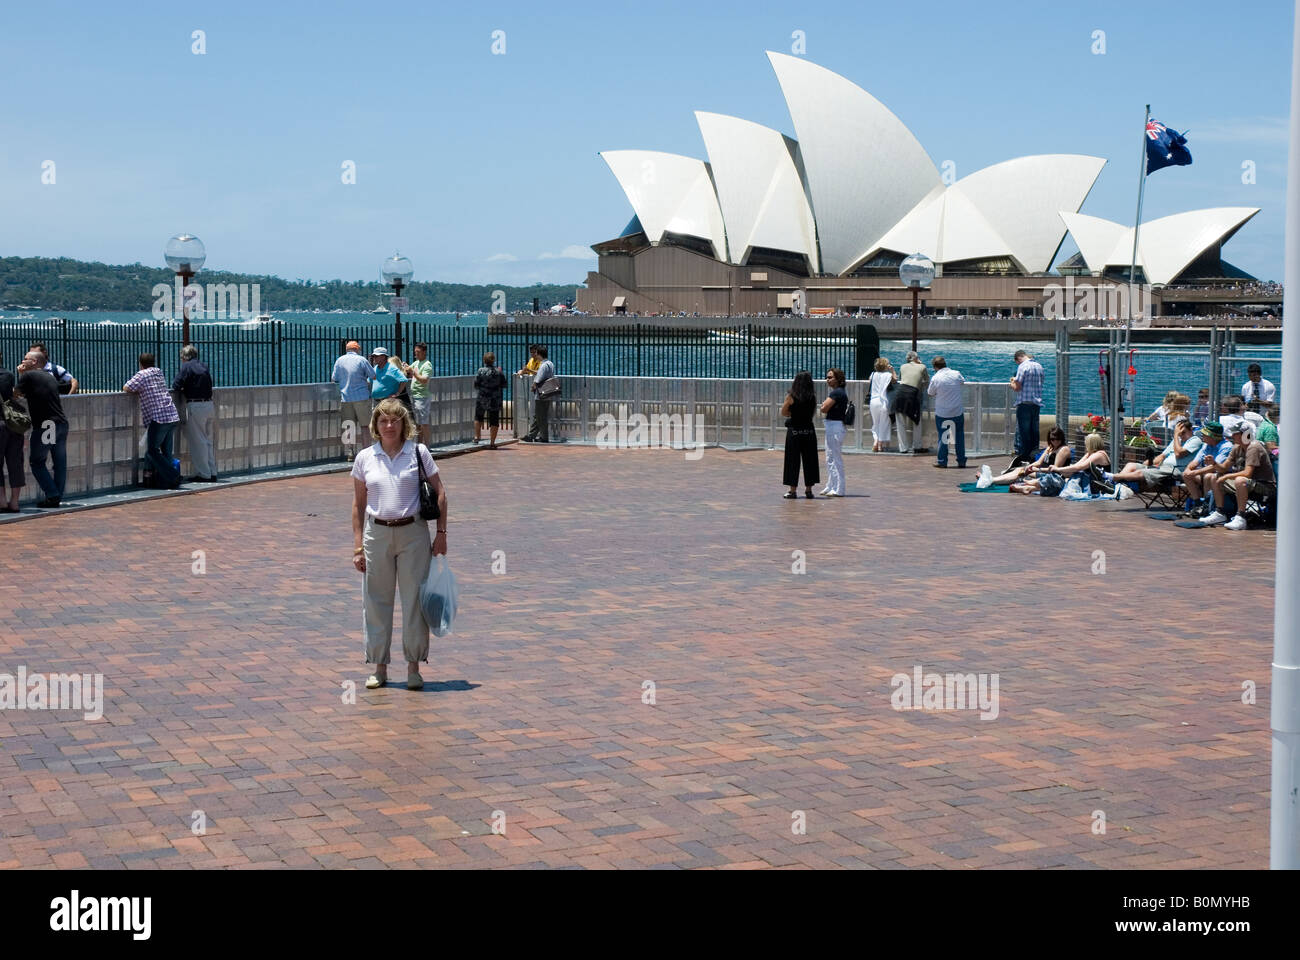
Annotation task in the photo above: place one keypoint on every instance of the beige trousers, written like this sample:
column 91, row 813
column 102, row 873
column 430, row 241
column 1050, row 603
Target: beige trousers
column 396, row 557
column 358, row 412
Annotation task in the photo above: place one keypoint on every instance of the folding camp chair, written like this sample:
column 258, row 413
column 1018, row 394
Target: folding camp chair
column 1166, row 494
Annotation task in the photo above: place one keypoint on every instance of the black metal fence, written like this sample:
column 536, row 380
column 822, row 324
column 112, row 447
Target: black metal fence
column 103, row 356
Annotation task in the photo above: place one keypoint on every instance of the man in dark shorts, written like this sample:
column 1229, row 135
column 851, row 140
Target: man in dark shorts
column 49, row 426
column 489, row 383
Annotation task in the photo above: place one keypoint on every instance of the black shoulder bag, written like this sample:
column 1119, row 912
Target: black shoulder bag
column 428, row 496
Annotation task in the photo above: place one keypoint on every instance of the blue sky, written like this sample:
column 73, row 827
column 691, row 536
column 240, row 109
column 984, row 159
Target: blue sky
column 483, row 168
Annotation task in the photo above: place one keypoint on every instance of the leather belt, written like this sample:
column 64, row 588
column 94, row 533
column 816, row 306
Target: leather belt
column 394, row 523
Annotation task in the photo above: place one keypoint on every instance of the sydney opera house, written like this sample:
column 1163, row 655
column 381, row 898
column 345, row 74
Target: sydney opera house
column 770, row 225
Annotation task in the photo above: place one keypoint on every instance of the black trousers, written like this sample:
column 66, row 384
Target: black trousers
column 801, row 445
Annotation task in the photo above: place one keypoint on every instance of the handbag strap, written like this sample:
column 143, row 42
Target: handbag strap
column 419, row 460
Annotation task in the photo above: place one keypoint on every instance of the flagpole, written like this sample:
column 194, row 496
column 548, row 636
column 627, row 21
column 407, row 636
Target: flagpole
column 1121, row 362
column 1284, row 802
column 1137, row 226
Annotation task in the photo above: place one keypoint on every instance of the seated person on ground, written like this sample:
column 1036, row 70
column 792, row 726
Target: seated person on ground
column 1252, row 477
column 1209, row 462
column 1181, row 451
column 1051, row 479
column 1055, row 454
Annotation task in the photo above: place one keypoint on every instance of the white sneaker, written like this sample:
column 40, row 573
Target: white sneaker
column 1214, row 519
column 1123, row 491
column 1236, row 523
column 986, row 478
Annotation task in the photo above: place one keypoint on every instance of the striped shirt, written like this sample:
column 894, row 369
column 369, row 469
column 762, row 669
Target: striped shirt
column 156, row 404
column 392, row 485
column 1030, row 377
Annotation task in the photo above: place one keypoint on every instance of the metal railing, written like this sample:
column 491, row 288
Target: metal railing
column 747, row 413
column 254, row 428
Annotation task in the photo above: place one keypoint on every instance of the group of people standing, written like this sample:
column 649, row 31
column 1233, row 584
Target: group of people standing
column 35, row 388
column 896, row 402
column 363, row 382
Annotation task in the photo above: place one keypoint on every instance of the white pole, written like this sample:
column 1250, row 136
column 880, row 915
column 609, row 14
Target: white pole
column 1284, row 819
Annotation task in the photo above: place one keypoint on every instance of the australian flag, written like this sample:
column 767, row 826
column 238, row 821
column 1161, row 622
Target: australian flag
column 1165, row 147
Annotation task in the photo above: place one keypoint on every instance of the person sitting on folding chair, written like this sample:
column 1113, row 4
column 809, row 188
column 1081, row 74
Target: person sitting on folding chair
column 1168, row 466
column 1252, row 478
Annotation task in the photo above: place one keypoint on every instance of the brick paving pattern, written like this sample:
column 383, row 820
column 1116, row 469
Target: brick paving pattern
column 225, row 692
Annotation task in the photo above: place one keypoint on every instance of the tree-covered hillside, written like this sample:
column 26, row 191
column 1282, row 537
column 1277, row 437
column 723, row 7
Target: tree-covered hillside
column 64, row 284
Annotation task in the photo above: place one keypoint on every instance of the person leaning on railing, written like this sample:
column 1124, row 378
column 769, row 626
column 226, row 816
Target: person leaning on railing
column 540, row 430
column 11, row 445
column 193, row 383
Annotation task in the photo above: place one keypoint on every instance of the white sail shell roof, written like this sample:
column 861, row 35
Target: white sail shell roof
column 670, row 194
column 760, row 190
column 1008, row 209
column 865, row 169
column 1166, row 247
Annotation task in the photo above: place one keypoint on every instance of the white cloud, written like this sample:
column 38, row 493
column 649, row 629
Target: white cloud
column 573, row 251
column 501, row 258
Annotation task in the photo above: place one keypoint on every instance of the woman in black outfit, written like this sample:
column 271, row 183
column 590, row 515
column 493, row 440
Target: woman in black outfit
column 800, row 437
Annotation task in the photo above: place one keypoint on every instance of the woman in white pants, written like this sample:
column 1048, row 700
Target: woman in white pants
column 392, row 546
column 880, row 425
column 833, row 409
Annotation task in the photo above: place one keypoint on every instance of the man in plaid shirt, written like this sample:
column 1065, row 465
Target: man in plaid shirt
column 158, row 414
column 1028, row 384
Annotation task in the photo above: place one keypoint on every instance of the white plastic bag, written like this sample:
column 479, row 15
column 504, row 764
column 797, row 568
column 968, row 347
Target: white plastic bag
column 438, row 597
column 986, row 478
column 1073, row 490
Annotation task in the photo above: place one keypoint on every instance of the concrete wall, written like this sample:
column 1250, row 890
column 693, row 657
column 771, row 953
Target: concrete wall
column 256, row 428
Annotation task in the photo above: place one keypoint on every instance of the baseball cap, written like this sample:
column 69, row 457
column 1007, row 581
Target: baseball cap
column 382, row 352
column 353, row 345
column 1212, row 430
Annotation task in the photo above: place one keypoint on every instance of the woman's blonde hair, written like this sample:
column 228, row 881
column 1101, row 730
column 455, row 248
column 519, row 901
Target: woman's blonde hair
column 881, row 364
column 391, row 407
column 1094, row 442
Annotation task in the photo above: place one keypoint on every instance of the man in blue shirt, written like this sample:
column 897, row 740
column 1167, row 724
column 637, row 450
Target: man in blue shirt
column 1028, row 384
column 1213, row 460
column 388, row 379
column 353, row 373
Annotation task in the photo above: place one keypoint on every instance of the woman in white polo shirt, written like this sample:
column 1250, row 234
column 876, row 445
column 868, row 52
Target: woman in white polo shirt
column 391, row 541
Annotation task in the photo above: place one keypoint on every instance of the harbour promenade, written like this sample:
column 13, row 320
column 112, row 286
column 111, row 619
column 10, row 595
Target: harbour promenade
column 645, row 679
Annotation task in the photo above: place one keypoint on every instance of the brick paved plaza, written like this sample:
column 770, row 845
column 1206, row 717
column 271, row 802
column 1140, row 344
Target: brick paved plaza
column 224, row 692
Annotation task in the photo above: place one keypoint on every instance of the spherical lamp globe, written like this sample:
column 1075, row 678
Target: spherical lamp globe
column 397, row 269
column 185, row 254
